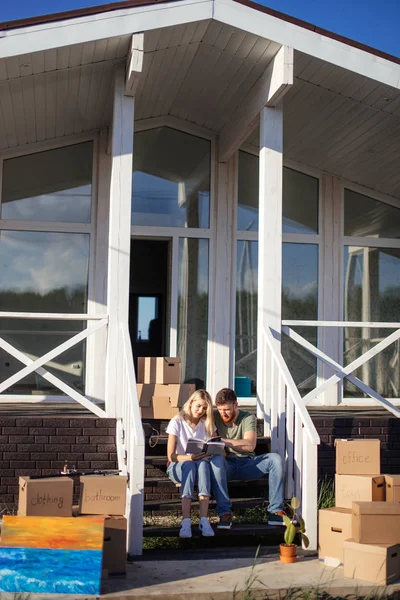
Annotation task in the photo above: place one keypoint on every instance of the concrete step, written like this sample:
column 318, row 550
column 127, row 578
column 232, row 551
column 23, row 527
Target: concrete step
column 169, row 504
column 238, row 529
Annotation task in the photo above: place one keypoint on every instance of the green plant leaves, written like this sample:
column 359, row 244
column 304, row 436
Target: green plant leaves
column 305, row 540
column 295, row 503
column 290, row 534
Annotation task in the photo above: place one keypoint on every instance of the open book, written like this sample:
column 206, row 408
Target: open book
column 211, row 447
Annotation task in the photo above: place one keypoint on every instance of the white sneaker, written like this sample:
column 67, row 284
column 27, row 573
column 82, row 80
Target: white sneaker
column 186, row 528
column 205, row 527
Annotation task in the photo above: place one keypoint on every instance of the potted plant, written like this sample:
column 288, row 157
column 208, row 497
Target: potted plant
column 294, row 524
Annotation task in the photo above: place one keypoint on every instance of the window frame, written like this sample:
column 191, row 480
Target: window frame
column 61, row 227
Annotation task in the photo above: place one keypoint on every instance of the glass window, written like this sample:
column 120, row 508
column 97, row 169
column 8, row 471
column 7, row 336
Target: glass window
column 193, row 310
column 300, row 198
column 55, row 185
column 147, row 314
column 371, row 293
column 365, row 217
column 246, row 319
column 171, row 179
column 43, row 272
column 299, row 301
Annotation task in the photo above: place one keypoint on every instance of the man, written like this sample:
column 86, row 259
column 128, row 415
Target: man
column 237, row 429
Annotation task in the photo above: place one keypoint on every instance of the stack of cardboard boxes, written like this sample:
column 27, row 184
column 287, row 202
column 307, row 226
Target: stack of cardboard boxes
column 160, row 391
column 362, row 532
column 100, row 495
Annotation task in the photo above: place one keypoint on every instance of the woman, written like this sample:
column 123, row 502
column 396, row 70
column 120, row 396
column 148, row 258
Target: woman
column 194, row 421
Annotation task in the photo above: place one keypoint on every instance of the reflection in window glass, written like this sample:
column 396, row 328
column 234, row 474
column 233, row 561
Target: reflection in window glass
column 55, row 185
column 371, row 293
column 246, row 319
column 299, row 301
column 147, row 313
column 171, row 179
column 300, row 198
column 365, row 217
column 193, row 310
column 43, row 272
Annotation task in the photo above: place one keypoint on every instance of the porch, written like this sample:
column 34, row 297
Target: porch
column 261, row 155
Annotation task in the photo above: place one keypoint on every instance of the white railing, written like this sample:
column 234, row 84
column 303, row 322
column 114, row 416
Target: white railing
column 340, row 372
column 293, row 434
column 35, row 365
column 130, row 443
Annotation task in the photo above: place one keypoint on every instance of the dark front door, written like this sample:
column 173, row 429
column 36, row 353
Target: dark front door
column 148, row 297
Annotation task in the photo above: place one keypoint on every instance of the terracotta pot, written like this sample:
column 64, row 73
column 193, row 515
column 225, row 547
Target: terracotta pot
column 288, row 553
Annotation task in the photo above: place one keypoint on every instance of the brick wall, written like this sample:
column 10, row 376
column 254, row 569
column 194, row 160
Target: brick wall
column 40, row 446
column 385, row 429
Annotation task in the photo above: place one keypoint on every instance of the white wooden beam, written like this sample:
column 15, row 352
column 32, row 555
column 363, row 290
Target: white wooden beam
column 269, row 246
column 267, row 91
column 119, row 233
column 134, row 64
column 313, row 43
column 58, row 34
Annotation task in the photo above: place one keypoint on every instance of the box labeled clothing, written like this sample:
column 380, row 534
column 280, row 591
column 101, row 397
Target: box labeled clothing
column 392, row 488
column 377, row 563
column 157, row 401
column 50, row 497
column 358, row 488
column 376, row 522
column 158, row 370
column 334, row 527
column 102, row 494
column 358, row 457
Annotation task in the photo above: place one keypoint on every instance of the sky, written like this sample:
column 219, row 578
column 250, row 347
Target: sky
column 371, row 22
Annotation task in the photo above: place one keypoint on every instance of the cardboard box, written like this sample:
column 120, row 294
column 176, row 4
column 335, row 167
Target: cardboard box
column 50, row 497
column 334, row 527
column 376, row 522
column 392, row 488
column 114, row 547
column 158, row 370
column 102, row 494
column 158, row 401
column 358, row 457
column 358, row 488
column 377, row 563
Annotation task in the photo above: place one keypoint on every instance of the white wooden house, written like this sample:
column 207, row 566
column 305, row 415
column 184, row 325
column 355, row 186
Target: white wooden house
column 188, row 178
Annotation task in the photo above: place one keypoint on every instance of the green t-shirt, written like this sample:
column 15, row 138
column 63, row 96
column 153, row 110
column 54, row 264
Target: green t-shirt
column 244, row 423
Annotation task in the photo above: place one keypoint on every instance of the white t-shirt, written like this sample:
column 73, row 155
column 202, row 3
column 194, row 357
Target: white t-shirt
column 183, row 432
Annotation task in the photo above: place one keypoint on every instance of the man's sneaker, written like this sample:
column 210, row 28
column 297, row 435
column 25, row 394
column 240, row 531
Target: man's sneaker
column 225, row 521
column 205, row 527
column 276, row 518
column 186, row 528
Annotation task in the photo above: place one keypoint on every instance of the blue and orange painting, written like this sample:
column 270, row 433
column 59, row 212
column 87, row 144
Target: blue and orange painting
column 51, row 555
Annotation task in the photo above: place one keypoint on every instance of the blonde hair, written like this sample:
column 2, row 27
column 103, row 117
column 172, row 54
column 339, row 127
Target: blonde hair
column 208, row 418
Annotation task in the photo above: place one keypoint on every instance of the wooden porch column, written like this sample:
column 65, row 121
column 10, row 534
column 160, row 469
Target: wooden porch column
column 121, row 149
column 221, row 364
column 269, row 249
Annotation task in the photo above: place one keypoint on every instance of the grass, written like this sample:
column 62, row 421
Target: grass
column 326, row 494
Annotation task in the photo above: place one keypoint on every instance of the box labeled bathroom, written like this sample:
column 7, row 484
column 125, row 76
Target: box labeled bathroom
column 102, row 494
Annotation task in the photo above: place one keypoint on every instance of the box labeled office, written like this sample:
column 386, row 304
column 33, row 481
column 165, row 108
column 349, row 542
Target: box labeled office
column 333, row 529
column 158, row 369
column 358, row 488
column 358, row 457
column 377, row 563
column 50, row 497
column 102, row 494
column 376, row 522
column 392, row 488
column 157, row 401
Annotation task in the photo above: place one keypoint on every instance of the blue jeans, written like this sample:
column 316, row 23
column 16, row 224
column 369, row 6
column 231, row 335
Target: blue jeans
column 188, row 473
column 245, row 469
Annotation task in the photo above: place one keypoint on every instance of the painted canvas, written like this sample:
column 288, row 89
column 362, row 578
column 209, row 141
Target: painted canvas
column 51, row 555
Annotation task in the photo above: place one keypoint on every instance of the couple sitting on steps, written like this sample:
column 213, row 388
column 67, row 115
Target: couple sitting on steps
column 237, row 429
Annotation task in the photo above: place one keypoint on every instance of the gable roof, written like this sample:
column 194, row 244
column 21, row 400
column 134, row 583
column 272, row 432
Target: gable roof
column 125, row 4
